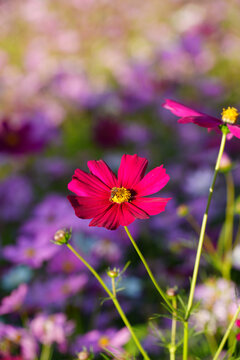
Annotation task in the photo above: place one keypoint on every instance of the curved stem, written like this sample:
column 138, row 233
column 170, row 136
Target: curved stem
column 114, row 300
column 226, row 335
column 161, row 292
column 203, row 229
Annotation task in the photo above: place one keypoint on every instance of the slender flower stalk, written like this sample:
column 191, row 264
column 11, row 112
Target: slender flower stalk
column 46, row 352
column 203, row 228
column 227, row 333
column 200, row 245
column 161, row 292
column 228, row 238
column 172, row 348
column 114, row 288
column 185, row 340
column 114, row 300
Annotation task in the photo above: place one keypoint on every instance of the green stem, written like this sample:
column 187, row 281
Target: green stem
column 203, row 229
column 211, row 342
column 172, row 348
column 226, row 335
column 194, row 224
column 114, row 300
column 114, row 288
column 185, row 341
column 228, row 238
column 199, row 249
column 161, row 292
column 46, row 353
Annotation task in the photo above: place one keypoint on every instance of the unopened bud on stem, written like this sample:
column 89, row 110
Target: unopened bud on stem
column 84, row 355
column 62, row 237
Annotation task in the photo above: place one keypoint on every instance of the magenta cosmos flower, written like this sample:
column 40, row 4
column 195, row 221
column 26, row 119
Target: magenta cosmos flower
column 111, row 201
column 188, row 115
column 238, row 325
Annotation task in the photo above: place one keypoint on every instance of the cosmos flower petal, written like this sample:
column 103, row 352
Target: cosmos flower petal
column 87, row 207
column 120, row 338
column 126, row 217
column 235, row 130
column 136, row 211
column 203, row 121
column 238, row 323
column 189, row 115
column 152, row 206
column 84, row 184
column 152, row 182
column 108, row 218
column 131, row 170
column 179, row 109
column 103, row 172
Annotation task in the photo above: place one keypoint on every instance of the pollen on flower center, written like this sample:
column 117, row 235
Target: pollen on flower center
column 230, row 115
column 103, row 341
column 120, row 195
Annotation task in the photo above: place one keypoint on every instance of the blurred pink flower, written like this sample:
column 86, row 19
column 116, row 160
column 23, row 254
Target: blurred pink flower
column 19, row 337
column 14, row 301
column 52, row 328
column 96, row 340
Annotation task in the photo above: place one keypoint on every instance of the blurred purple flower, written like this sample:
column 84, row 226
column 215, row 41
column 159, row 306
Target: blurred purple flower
column 136, row 133
column 56, row 291
column 54, row 167
column 108, row 250
column 54, row 328
column 14, row 202
column 65, row 262
column 27, row 135
column 14, row 301
column 52, row 214
column 73, row 87
column 29, row 252
column 96, row 341
column 192, row 43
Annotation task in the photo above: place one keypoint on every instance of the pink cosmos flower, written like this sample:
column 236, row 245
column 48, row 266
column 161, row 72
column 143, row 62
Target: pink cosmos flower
column 14, row 301
column 188, row 115
column 238, row 325
column 96, row 340
column 52, row 328
column 111, row 201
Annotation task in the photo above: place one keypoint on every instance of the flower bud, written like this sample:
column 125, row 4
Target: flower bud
column 62, row 236
column 84, row 355
column 182, row 210
column 113, row 273
column 225, row 163
column 171, row 292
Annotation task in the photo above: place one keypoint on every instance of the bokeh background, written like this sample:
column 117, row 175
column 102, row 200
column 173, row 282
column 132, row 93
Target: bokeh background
column 86, row 79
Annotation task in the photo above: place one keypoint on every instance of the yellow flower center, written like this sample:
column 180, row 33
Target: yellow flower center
column 30, row 252
column 120, row 195
column 230, row 115
column 103, row 341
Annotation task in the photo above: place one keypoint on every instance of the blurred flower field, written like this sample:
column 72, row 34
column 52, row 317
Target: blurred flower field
column 86, row 80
